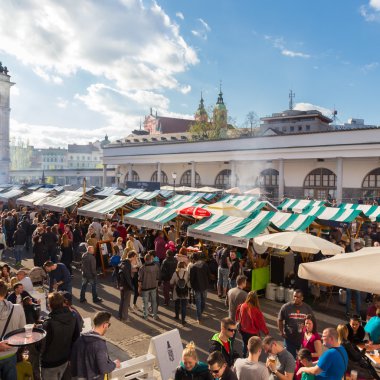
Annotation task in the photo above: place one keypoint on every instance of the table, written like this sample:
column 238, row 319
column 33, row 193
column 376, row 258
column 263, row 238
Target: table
column 370, row 347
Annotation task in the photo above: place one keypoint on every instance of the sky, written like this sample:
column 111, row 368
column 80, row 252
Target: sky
column 84, row 69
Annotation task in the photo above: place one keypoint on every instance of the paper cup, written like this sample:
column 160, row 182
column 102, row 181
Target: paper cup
column 28, row 330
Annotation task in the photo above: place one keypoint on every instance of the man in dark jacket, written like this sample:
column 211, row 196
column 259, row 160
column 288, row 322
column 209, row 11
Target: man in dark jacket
column 61, row 333
column 125, row 285
column 234, row 270
column 19, row 238
column 149, row 274
column 218, row 367
column 19, row 294
column 89, row 356
column 89, row 275
column 199, row 279
column 50, row 241
column 59, row 277
column 223, row 341
column 168, row 267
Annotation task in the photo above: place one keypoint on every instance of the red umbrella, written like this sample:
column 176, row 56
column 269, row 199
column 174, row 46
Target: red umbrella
column 196, row 212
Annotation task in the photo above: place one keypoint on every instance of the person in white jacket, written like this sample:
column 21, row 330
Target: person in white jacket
column 180, row 282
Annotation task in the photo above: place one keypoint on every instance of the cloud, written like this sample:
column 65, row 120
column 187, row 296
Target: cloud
column 370, row 67
column 186, row 89
column 180, row 15
column 371, row 12
column 308, row 107
column 202, row 30
column 279, row 43
column 62, row 103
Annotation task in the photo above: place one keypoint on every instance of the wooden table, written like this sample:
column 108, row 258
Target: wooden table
column 370, row 348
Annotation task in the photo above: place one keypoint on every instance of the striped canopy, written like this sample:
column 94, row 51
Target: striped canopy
column 28, row 200
column 63, row 201
column 299, row 205
column 251, row 205
column 230, row 197
column 285, row 221
column 13, row 193
column 101, row 208
column 370, row 211
column 334, row 214
column 107, row 191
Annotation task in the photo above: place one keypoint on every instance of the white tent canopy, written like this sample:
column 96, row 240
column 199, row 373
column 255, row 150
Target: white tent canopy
column 355, row 270
column 13, row 193
column 28, row 200
column 63, row 201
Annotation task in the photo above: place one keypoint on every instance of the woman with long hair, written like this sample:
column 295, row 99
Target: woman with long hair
column 67, row 252
column 251, row 319
column 190, row 367
column 179, row 281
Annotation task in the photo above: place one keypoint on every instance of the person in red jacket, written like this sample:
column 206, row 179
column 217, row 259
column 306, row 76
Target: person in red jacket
column 251, row 319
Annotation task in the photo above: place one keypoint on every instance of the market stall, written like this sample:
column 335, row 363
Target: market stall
column 299, row 205
column 64, row 201
column 28, row 200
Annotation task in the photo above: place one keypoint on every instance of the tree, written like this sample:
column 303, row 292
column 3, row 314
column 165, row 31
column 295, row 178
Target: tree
column 251, row 121
column 203, row 130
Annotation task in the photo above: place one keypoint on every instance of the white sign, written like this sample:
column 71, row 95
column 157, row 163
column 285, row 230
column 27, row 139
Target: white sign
column 168, row 349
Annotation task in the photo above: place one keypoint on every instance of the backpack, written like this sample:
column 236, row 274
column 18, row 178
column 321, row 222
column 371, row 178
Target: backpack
column 181, row 287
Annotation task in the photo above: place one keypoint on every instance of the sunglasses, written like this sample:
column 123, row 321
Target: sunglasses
column 215, row 371
column 231, row 330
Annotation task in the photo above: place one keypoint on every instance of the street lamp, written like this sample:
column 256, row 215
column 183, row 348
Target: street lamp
column 174, row 176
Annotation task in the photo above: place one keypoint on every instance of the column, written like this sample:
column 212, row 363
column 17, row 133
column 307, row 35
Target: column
column 159, row 172
column 281, row 181
column 233, row 173
column 104, row 175
column 130, row 173
column 192, row 174
column 117, row 176
column 339, row 180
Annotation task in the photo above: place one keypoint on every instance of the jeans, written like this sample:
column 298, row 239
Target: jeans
column 125, row 301
column 92, row 282
column 222, row 278
column 19, row 250
column 55, row 373
column 291, row 347
column 166, row 291
column 200, row 302
column 149, row 295
column 357, row 300
column 181, row 303
column 8, row 368
column 135, row 282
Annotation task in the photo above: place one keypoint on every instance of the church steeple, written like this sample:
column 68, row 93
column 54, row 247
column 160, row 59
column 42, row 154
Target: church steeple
column 201, row 114
column 220, row 111
column 220, row 97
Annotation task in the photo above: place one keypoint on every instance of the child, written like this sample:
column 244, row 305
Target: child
column 305, row 358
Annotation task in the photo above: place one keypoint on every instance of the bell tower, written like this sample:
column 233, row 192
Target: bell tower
column 220, row 111
column 5, row 87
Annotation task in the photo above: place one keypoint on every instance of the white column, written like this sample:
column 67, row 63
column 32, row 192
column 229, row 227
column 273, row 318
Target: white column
column 130, row 175
column 192, row 174
column 233, row 173
column 159, row 172
column 104, row 175
column 339, row 180
column 281, row 181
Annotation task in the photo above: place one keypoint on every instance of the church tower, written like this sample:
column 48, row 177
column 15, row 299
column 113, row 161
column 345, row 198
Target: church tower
column 220, row 112
column 5, row 87
column 201, row 114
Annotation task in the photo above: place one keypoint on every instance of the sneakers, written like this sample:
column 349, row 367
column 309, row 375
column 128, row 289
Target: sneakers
column 156, row 318
column 98, row 300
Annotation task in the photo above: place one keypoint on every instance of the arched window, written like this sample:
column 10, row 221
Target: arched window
column 135, row 177
column 164, row 177
column 186, row 179
column 320, row 184
column 371, row 184
column 268, row 181
column 223, row 179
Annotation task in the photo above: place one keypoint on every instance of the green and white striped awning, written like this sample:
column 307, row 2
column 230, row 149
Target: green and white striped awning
column 251, row 205
column 370, row 211
column 108, row 191
column 180, row 201
column 230, row 229
column 148, row 195
column 101, row 208
column 299, row 205
column 233, row 197
column 285, row 221
column 151, row 217
column 28, row 200
column 205, row 196
column 63, row 201
column 334, row 214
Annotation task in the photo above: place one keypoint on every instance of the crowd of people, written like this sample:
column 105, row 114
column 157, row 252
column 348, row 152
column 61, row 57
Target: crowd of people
column 142, row 262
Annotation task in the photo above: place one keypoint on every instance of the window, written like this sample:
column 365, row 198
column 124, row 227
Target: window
column 223, row 179
column 371, row 184
column 135, row 176
column 308, row 127
column 164, row 177
column 268, row 182
column 283, row 129
column 299, row 128
column 320, row 184
column 186, row 178
column 291, row 129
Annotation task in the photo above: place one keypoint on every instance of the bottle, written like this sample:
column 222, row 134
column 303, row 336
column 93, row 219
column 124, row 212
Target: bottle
column 170, row 352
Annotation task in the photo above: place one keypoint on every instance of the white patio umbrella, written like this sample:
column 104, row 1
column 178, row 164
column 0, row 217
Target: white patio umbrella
column 233, row 190
column 355, row 270
column 208, row 189
column 224, row 208
column 299, row 242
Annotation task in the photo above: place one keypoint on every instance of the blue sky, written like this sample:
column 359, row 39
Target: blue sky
column 84, row 69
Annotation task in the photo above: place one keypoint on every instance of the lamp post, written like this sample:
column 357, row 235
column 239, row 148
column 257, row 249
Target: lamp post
column 174, row 176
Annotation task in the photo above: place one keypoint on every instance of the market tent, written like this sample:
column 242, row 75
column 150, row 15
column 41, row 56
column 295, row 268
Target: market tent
column 334, row 214
column 107, row 191
column 223, row 208
column 34, row 187
column 208, row 189
column 40, row 202
column 229, row 198
column 63, row 201
column 13, row 193
column 252, row 205
column 147, row 195
column 28, row 200
column 132, row 191
column 182, row 200
column 285, row 221
column 230, row 229
column 299, row 242
column 372, row 212
column 255, row 191
column 233, row 190
column 207, row 197
column 151, row 217
column 101, row 208
column 355, row 270
column 299, row 205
